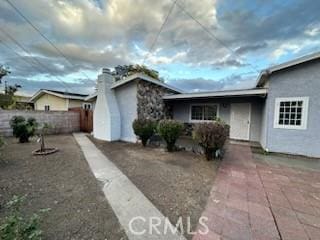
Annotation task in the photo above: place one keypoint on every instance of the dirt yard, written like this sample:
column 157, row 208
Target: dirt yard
column 178, row 183
column 62, row 182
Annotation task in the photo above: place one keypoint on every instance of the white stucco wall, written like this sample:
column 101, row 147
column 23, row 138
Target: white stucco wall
column 106, row 115
column 126, row 96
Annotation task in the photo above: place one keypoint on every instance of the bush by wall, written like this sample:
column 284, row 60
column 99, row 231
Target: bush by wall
column 22, row 128
column 211, row 137
column 170, row 130
column 61, row 121
column 144, row 129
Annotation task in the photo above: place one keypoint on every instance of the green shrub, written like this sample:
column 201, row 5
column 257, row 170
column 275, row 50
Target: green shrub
column 170, row 130
column 144, row 129
column 22, row 128
column 18, row 227
column 211, row 137
column 1, row 142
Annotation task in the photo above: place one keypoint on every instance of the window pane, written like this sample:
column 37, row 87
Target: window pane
column 290, row 113
column 210, row 112
column 197, row 113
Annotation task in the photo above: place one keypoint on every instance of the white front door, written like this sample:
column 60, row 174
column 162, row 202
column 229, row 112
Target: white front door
column 240, row 121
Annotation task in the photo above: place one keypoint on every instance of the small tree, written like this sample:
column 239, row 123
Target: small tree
column 3, row 72
column 22, row 128
column 170, row 130
column 43, row 131
column 211, row 137
column 144, row 129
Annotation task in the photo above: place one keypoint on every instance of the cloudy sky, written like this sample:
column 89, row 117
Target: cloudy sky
column 237, row 39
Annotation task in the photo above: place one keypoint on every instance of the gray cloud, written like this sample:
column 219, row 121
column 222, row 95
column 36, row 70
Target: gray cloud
column 29, row 87
column 200, row 84
column 228, row 63
column 98, row 33
column 250, row 48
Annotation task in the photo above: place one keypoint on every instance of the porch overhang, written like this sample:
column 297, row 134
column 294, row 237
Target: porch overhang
column 255, row 92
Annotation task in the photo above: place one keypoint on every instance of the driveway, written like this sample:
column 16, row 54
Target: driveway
column 256, row 198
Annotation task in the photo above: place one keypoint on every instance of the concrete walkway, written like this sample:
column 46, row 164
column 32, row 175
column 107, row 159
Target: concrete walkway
column 127, row 201
column 254, row 200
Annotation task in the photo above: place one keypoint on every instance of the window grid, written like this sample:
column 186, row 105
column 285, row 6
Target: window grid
column 290, row 113
column 204, row 112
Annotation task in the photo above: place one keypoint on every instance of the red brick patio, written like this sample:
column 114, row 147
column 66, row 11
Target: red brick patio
column 253, row 200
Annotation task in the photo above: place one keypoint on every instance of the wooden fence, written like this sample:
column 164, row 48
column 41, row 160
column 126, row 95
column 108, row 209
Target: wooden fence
column 86, row 119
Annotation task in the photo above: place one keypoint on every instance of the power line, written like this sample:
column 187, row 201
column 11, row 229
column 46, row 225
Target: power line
column 43, row 36
column 160, row 30
column 34, row 59
column 204, row 28
column 20, row 57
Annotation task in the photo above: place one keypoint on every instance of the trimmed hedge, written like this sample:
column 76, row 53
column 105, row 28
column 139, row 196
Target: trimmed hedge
column 144, row 129
column 170, row 130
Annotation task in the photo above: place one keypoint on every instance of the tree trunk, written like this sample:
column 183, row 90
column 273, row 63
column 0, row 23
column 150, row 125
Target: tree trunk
column 42, row 147
column 208, row 153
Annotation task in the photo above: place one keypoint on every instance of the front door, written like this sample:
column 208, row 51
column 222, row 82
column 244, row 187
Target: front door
column 240, row 121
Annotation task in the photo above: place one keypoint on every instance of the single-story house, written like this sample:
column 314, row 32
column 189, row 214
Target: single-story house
column 282, row 112
column 23, row 102
column 52, row 100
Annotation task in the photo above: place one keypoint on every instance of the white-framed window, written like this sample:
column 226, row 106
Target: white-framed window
column 203, row 112
column 87, row 106
column 47, row 107
column 291, row 113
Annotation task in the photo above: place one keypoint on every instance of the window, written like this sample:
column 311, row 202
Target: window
column 291, row 113
column 86, row 106
column 46, row 107
column 204, row 112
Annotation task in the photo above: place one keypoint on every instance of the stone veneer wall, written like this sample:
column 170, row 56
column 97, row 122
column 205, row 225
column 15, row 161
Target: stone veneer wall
column 150, row 102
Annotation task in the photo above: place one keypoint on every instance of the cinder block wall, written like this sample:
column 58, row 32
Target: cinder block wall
column 60, row 121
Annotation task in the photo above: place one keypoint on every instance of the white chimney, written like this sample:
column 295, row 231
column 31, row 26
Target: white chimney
column 106, row 116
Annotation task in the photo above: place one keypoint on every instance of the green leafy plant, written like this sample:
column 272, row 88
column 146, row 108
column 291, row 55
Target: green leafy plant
column 144, row 129
column 170, row 130
column 18, row 227
column 127, row 70
column 211, row 137
column 1, row 142
column 22, row 128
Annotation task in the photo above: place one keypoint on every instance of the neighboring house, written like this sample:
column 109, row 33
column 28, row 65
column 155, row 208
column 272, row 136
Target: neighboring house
column 23, row 102
column 282, row 112
column 51, row 100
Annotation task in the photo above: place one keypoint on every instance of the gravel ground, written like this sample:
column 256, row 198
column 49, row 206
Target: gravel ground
column 62, row 182
column 178, row 183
